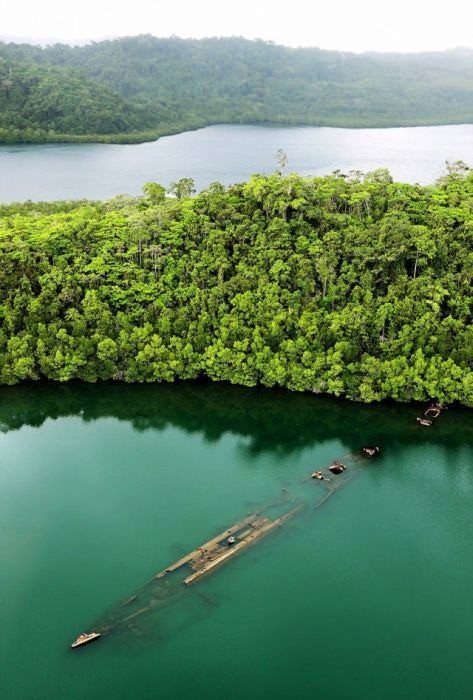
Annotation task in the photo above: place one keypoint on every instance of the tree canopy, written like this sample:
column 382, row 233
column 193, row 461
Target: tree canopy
column 353, row 286
column 138, row 88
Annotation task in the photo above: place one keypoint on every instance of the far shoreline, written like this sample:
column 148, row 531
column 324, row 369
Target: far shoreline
column 228, row 154
column 138, row 138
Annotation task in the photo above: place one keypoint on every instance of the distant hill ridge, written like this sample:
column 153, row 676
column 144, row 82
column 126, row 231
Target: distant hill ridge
column 138, row 88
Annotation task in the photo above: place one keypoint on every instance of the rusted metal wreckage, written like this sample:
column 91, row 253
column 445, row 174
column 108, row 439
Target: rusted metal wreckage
column 431, row 413
column 173, row 580
column 199, row 562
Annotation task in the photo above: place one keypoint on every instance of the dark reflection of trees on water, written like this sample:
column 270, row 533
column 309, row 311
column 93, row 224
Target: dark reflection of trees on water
column 270, row 421
column 266, row 421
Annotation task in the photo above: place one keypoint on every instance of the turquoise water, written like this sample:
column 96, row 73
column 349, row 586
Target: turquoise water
column 227, row 153
column 102, row 486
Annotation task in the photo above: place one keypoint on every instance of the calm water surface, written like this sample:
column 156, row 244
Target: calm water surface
column 228, row 154
column 101, row 486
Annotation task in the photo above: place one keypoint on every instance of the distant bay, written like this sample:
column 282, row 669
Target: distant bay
column 227, row 153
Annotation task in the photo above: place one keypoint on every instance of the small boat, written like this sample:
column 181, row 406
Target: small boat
column 85, row 638
column 424, row 421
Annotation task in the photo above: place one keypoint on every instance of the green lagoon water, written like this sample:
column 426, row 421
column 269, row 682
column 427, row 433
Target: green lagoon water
column 368, row 597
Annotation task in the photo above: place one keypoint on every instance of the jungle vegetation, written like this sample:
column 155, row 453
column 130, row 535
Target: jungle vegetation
column 350, row 285
column 136, row 89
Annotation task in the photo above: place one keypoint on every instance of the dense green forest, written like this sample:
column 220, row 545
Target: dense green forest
column 38, row 102
column 136, row 89
column 353, row 286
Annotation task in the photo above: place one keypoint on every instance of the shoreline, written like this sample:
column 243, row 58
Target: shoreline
column 136, row 138
column 218, row 396
column 226, row 385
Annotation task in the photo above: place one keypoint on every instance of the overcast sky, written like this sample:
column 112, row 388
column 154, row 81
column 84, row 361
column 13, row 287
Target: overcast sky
column 350, row 25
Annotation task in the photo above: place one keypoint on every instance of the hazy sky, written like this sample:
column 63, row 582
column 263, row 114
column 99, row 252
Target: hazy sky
column 352, row 25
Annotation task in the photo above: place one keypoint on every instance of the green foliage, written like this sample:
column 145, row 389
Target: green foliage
column 351, row 286
column 136, row 89
column 41, row 102
column 185, row 187
column 155, row 192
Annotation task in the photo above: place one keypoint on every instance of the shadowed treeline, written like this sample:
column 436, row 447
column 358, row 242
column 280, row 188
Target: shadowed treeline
column 271, row 420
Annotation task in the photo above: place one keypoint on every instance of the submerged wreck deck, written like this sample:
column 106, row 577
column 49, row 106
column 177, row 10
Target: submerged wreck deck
column 171, row 583
column 227, row 544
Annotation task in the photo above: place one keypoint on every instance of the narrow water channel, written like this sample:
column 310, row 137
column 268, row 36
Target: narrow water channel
column 228, row 154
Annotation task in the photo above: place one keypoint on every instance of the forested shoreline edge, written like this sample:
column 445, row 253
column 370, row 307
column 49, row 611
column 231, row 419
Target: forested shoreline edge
column 347, row 285
column 137, row 89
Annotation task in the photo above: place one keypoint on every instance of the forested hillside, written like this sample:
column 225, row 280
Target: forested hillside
column 39, row 101
column 134, row 89
column 351, row 286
